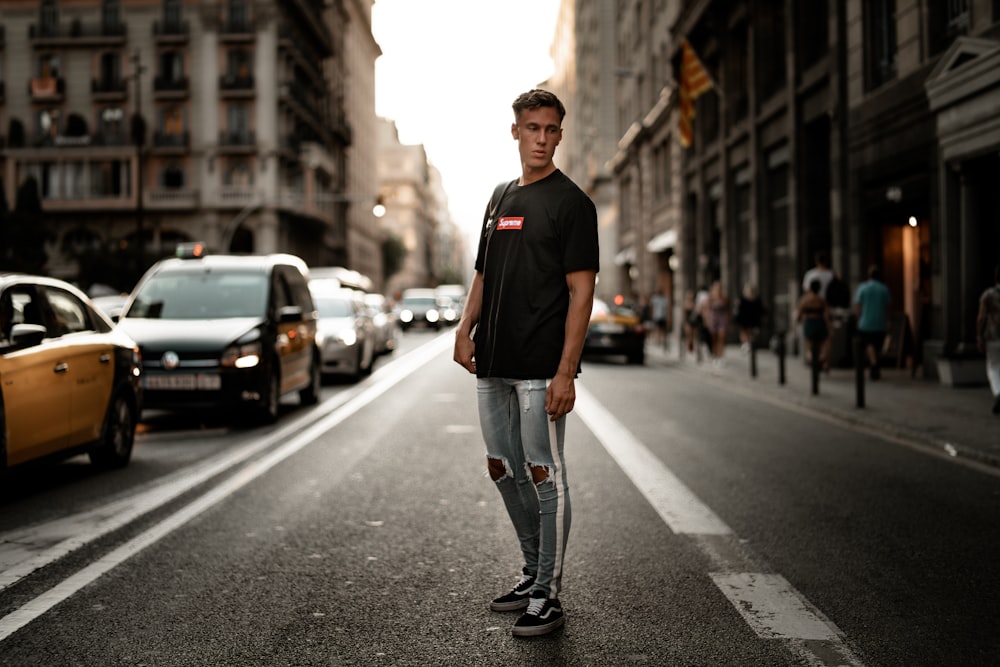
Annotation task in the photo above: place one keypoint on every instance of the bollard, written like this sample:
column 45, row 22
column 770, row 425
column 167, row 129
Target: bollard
column 814, row 365
column 859, row 372
column 778, row 347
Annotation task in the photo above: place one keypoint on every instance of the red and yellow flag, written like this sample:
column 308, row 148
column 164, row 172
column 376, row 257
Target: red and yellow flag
column 694, row 81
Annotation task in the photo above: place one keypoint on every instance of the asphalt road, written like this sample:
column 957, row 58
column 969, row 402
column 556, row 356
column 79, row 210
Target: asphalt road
column 708, row 529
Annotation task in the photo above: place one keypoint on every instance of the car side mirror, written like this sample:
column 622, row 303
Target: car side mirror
column 27, row 335
column 289, row 314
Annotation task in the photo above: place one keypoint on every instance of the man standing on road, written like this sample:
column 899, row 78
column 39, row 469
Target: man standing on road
column 872, row 304
column 528, row 308
column 988, row 335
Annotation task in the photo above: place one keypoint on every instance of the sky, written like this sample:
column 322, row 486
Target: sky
column 448, row 73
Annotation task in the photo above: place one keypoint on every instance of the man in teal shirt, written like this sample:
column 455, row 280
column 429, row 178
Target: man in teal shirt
column 871, row 303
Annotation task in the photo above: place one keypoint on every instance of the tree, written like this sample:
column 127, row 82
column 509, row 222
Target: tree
column 22, row 232
column 393, row 255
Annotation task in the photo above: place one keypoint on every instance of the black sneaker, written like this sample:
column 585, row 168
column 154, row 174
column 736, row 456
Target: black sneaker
column 517, row 598
column 543, row 616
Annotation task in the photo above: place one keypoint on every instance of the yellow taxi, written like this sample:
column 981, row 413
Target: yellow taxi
column 616, row 330
column 69, row 381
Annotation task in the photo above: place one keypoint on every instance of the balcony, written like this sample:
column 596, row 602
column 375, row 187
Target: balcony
column 242, row 142
column 47, row 90
column 171, row 143
column 170, row 32
column 109, row 89
column 78, row 34
column 233, row 86
column 170, row 88
column 171, row 199
column 235, row 30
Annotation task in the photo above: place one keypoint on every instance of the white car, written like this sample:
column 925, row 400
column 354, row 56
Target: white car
column 345, row 333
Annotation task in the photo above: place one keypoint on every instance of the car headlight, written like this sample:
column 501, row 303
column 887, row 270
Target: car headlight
column 406, row 315
column 241, row 356
column 433, row 315
column 348, row 337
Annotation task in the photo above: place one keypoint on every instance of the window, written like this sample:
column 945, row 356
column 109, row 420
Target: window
column 770, row 48
column 111, row 125
column 48, row 18
column 171, row 67
column 946, row 20
column 737, row 76
column 172, row 177
column 880, row 42
column 812, row 30
column 111, row 16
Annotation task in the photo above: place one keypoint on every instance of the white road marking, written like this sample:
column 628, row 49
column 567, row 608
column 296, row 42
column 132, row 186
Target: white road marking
column 773, row 608
column 679, row 508
column 38, row 606
column 767, row 602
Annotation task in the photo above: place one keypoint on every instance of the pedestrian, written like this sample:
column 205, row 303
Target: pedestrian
column 821, row 271
column 691, row 320
column 660, row 310
column 749, row 315
column 988, row 335
column 715, row 314
column 529, row 306
column 871, row 303
column 813, row 313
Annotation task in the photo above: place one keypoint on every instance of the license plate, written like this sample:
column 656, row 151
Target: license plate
column 184, row 382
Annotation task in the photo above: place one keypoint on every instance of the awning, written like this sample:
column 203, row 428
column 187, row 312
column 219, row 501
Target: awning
column 662, row 241
column 626, row 256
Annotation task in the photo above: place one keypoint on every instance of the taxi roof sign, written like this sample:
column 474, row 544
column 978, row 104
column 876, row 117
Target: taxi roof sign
column 194, row 250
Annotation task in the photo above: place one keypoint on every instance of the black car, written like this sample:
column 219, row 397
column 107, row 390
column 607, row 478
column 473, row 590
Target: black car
column 225, row 332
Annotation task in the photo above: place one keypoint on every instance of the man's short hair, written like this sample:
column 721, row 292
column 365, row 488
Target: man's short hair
column 536, row 99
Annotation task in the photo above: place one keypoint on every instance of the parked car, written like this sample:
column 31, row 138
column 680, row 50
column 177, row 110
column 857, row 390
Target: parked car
column 384, row 320
column 419, row 307
column 225, row 332
column 346, row 335
column 616, row 330
column 451, row 298
column 110, row 304
column 71, row 380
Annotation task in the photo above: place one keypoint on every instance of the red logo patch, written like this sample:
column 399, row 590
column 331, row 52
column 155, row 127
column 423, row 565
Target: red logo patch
column 510, row 223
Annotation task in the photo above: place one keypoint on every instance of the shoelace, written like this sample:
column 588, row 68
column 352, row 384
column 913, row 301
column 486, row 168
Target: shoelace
column 535, row 606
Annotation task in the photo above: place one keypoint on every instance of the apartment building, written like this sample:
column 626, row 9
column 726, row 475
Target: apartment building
column 146, row 123
column 865, row 128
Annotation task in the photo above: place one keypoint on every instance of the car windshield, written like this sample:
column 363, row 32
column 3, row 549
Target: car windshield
column 420, row 301
column 201, row 295
column 328, row 306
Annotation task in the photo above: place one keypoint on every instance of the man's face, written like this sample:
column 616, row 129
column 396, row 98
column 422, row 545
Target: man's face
column 537, row 132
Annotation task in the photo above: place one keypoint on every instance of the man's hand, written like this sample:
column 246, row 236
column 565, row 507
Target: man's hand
column 560, row 396
column 465, row 350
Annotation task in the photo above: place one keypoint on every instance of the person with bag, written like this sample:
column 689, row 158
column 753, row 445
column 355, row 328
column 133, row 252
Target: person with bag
column 522, row 335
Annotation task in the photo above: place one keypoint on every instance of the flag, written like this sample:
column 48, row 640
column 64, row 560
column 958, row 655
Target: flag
column 694, row 81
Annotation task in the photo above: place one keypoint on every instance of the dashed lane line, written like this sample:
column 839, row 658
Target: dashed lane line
column 768, row 603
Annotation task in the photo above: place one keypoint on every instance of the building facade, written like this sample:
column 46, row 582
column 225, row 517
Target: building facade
column 150, row 123
column 866, row 129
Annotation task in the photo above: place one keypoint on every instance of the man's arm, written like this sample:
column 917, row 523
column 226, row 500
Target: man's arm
column 561, row 394
column 465, row 348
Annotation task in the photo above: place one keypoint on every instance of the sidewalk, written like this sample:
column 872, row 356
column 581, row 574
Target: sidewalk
column 957, row 422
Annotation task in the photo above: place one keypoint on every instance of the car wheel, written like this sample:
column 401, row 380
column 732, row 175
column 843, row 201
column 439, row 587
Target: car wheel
column 310, row 395
column 268, row 409
column 637, row 357
column 114, row 449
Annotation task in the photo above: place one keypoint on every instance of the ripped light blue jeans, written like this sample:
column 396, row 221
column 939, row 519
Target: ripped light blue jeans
column 533, row 484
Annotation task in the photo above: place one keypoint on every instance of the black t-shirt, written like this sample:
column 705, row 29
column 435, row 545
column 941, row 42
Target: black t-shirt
column 539, row 233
